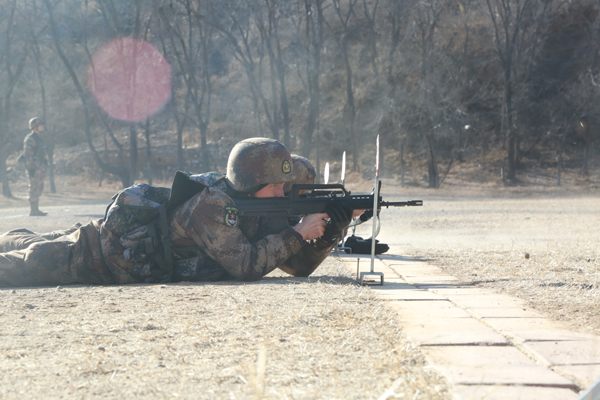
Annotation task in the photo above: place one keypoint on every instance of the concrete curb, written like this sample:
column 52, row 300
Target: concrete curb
column 489, row 346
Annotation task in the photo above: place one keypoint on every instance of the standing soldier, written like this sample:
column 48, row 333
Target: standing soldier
column 36, row 162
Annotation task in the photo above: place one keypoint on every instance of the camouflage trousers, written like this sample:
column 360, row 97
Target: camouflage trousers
column 88, row 254
column 36, row 184
column 29, row 259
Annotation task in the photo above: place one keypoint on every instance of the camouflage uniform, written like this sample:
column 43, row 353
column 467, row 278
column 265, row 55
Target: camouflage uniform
column 36, row 162
column 204, row 246
column 305, row 172
column 208, row 244
column 70, row 259
column 208, row 241
column 245, row 248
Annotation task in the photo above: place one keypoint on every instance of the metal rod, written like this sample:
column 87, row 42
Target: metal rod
column 375, row 199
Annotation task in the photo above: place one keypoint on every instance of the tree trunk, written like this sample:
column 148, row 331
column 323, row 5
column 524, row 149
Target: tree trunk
column 313, row 114
column 133, row 155
column 50, row 147
column 4, row 136
column 511, row 134
column 206, row 164
column 285, row 108
column 585, row 167
column 180, row 155
column 434, row 176
column 123, row 173
column 401, row 163
column 314, row 42
column 148, row 152
column 318, row 160
column 351, row 106
column 3, row 176
column 559, row 166
column 49, row 137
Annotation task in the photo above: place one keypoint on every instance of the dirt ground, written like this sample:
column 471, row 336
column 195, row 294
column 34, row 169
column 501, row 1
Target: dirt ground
column 285, row 338
column 540, row 244
column 322, row 337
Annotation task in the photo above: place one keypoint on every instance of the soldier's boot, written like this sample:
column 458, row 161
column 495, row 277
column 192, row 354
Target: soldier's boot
column 35, row 211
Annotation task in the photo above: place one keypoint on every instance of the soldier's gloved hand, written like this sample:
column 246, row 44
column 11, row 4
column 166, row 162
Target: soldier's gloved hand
column 340, row 216
column 367, row 215
column 31, row 173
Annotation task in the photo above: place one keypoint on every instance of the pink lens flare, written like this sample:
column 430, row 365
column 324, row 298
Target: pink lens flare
column 130, row 79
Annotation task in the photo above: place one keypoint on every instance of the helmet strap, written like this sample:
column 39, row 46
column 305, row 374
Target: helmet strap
column 247, row 193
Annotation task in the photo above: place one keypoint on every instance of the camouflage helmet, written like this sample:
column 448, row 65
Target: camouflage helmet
column 258, row 162
column 304, row 170
column 35, row 122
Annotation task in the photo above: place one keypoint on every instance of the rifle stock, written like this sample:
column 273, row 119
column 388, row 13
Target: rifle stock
column 312, row 202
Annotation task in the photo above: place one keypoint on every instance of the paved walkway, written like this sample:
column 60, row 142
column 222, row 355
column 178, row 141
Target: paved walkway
column 489, row 346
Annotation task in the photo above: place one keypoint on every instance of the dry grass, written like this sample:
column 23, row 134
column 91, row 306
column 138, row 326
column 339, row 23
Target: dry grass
column 541, row 247
column 284, row 338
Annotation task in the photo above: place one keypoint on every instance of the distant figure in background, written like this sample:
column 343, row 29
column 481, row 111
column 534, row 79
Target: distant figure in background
column 36, row 163
column 305, row 173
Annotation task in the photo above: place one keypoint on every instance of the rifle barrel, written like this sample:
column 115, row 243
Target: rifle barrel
column 410, row 203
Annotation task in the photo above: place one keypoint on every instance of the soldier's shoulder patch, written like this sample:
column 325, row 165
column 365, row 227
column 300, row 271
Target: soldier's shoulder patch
column 230, row 215
column 286, row 167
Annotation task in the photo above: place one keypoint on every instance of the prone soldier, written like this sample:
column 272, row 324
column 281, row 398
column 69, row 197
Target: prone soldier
column 206, row 238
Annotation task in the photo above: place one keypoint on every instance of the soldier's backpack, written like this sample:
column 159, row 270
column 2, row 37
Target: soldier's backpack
column 138, row 217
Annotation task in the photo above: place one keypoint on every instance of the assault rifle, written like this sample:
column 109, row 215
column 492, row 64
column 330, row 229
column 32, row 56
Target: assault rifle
column 312, row 200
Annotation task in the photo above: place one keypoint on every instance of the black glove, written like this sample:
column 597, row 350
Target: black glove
column 367, row 215
column 31, row 173
column 340, row 216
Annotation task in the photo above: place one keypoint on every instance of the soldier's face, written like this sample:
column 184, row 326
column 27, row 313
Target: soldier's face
column 272, row 190
column 40, row 128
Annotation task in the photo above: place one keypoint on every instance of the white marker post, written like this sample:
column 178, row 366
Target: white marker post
column 375, row 204
column 342, row 247
column 326, row 173
column 343, row 168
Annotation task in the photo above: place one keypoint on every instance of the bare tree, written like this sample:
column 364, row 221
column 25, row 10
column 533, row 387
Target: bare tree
column 313, row 38
column 398, row 19
column 251, row 34
column 111, row 13
column 269, row 28
column 14, row 51
column 428, row 15
column 512, row 20
column 178, row 107
column 33, row 15
column 190, row 37
column 370, row 17
column 344, row 13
